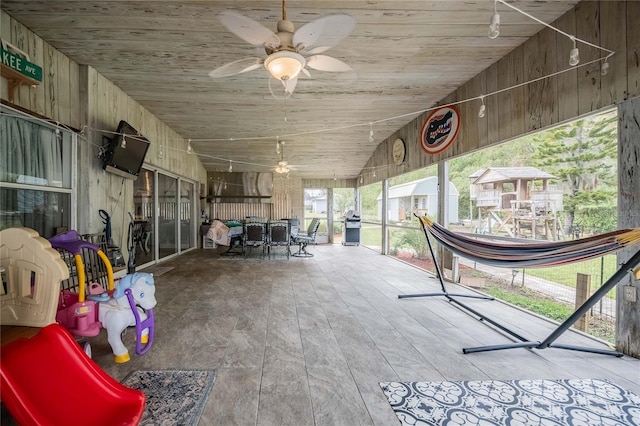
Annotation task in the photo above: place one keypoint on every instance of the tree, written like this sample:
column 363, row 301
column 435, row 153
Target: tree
column 582, row 156
column 343, row 199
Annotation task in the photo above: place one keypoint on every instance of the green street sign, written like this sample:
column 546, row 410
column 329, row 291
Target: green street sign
column 21, row 65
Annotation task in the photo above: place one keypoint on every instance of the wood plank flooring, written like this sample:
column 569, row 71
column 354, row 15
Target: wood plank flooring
column 306, row 341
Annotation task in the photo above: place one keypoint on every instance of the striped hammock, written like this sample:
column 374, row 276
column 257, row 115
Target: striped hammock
column 530, row 254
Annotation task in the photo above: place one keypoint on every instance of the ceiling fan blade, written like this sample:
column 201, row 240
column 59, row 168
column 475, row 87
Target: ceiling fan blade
column 325, row 32
column 236, row 67
column 247, row 29
column 327, row 63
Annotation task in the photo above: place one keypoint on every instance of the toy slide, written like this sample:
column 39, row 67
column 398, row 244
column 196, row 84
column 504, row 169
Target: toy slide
column 49, row 380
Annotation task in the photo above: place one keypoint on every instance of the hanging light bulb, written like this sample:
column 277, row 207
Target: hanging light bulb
column 189, row 149
column 371, row 139
column 361, row 179
column 374, row 172
column 494, row 24
column 334, row 177
column 483, row 108
column 123, row 144
column 230, row 167
column 574, row 54
column 278, row 144
column 161, row 153
column 604, row 68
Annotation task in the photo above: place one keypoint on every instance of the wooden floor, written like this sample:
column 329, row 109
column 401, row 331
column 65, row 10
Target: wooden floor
column 306, row 341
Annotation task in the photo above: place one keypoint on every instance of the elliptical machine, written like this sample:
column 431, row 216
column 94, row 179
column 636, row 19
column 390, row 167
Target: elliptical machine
column 113, row 252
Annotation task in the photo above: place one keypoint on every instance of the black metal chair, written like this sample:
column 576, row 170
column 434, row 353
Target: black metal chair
column 278, row 236
column 255, row 235
column 304, row 239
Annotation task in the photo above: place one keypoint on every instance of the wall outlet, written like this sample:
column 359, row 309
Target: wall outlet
column 630, row 293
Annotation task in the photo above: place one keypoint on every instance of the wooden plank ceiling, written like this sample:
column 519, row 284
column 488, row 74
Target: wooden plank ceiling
column 406, row 55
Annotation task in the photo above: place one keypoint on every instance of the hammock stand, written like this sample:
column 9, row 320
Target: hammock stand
column 548, row 342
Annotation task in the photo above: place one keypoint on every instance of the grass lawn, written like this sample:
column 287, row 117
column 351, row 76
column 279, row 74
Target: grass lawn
column 566, row 274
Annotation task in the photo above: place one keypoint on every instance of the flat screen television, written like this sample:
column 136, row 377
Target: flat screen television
column 125, row 153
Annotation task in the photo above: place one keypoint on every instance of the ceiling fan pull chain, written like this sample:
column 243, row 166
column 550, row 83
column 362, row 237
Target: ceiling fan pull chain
column 284, row 11
column 285, row 105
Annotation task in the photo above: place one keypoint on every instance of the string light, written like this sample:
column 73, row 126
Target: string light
column 494, row 24
column 574, row 60
column 230, row 167
column 277, row 144
column 374, row 172
column 483, row 108
column 574, row 54
column 123, row 144
column 189, row 149
column 161, row 153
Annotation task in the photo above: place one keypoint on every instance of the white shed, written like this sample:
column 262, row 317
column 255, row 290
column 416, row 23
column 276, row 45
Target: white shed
column 419, row 197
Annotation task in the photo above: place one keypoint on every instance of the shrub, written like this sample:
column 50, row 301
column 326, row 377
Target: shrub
column 413, row 240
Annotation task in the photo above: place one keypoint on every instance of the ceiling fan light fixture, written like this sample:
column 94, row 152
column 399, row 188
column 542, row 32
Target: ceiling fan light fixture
column 282, row 167
column 284, row 65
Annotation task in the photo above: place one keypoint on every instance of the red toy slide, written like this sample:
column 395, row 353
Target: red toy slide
column 49, row 380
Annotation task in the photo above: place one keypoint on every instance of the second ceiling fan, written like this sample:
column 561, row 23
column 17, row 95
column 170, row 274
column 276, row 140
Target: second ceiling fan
column 289, row 52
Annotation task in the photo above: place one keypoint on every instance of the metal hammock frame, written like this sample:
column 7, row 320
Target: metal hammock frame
column 517, row 255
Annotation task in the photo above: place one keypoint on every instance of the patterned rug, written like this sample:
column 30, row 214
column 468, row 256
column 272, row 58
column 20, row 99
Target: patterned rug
column 513, row 402
column 174, row 397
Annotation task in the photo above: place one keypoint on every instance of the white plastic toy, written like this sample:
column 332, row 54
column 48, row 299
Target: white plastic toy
column 132, row 305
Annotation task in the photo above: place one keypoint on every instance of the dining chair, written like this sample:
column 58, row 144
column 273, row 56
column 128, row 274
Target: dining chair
column 278, row 236
column 255, row 235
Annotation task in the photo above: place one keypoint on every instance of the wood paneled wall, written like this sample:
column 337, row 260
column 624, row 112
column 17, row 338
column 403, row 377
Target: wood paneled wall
column 535, row 106
column 57, row 96
column 628, row 312
column 550, row 101
column 285, row 203
column 79, row 97
column 287, row 200
column 329, row 183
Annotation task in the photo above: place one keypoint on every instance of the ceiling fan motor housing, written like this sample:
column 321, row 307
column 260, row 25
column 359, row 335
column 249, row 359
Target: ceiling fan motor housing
column 285, row 35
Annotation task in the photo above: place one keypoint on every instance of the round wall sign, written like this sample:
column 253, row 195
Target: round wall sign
column 399, row 151
column 440, row 129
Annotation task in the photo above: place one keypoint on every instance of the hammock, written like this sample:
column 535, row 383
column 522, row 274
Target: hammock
column 531, row 254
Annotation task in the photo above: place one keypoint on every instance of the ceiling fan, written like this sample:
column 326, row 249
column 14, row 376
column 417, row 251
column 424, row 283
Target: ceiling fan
column 283, row 166
column 289, row 52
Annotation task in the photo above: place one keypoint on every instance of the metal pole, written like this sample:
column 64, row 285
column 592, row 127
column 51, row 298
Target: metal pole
column 602, row 291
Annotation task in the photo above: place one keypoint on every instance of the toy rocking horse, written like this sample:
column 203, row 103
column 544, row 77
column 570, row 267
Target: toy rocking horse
column 132, row 305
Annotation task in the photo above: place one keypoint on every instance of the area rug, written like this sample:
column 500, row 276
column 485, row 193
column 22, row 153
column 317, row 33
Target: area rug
column 173, row 397
column 513, row 402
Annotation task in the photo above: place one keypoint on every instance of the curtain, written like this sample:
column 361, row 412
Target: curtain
column 33, row 154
